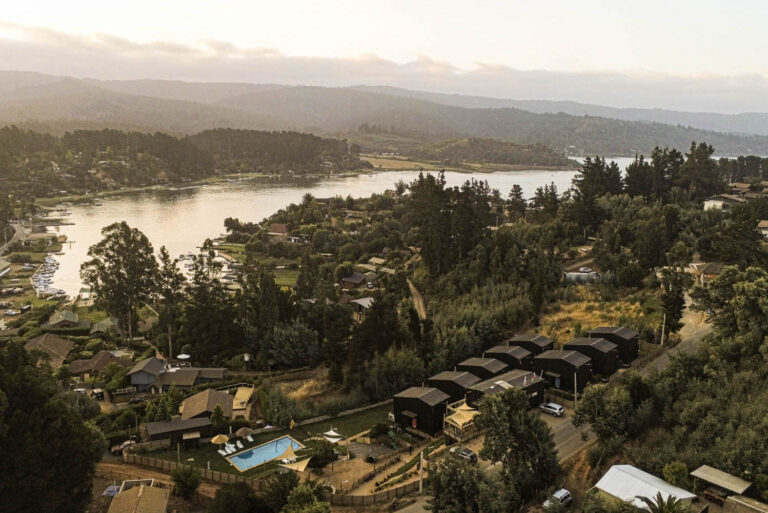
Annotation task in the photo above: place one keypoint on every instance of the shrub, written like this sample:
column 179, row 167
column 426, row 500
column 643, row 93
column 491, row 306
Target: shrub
column 186, row 480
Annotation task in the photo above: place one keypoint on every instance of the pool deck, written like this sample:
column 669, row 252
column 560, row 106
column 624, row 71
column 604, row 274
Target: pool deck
column 293, row 440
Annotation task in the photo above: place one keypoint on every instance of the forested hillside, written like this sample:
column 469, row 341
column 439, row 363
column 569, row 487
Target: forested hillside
column 61, row 103
column 93, row 160
column 491, row 151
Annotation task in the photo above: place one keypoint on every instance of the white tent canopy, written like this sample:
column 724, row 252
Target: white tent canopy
column 332, row 434
column 332, row 439
column 627, row 483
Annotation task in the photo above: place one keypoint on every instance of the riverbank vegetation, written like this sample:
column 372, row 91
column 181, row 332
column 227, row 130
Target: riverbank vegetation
column 40, row 165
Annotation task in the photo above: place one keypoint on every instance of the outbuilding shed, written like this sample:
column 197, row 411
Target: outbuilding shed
column 453, row 383
column 567, row 370
column 516, row 357
column 624, row 338
column 628, row 483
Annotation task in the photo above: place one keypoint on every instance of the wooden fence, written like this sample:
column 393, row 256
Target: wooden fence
column 376, row 498
column 167, row 466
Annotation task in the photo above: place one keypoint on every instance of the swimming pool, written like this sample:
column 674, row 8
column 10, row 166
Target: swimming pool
column 263, row 453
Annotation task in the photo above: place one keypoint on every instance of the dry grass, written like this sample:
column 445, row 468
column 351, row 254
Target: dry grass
column 589, row 311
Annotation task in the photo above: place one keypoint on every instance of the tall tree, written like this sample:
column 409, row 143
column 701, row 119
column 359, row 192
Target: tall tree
column 55, row 476
column 516, row 203
column 121, row 272
column 170, row 292
column 520, row 440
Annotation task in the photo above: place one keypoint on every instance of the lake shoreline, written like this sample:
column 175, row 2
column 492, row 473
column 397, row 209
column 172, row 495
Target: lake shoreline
column 282, row 179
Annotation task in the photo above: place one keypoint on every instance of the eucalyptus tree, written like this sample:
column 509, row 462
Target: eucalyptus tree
column 121, row 272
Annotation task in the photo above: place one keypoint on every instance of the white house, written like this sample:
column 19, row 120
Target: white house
column 723, row 202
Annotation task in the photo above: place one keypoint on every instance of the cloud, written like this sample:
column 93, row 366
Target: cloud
column 106, row 56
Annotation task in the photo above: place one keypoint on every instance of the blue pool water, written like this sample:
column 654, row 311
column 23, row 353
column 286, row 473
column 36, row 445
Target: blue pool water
column 263, row 453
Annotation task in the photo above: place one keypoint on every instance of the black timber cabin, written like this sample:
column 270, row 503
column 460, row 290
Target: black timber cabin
column 515, row 356
column 453, row 383
column 536, row 344
column 483, row 368
column 562, row 368
column 604, row 354
column 525, row 380
column 421, row 408
column 625, row 338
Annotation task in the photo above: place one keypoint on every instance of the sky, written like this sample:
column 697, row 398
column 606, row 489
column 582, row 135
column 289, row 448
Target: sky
column 691, row 55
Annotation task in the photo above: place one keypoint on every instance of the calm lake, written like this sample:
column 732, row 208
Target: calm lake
column 182, row 219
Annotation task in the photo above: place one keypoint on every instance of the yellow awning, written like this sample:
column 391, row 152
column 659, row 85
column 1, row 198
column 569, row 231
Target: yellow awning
column 288, row 454
column 299, row 466
column 462, row 417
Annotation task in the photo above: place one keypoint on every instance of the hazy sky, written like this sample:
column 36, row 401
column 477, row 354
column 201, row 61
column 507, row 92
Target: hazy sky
column 637, row 46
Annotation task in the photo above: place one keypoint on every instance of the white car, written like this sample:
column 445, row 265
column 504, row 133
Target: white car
column 553, row 409
column 562, row 497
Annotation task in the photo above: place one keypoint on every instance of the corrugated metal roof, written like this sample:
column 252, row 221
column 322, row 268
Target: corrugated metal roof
column 539, row 340
column 463, row 378
column 517, row 378
column 621, row 331
column 573, row 357
column 170, row 426
column 514, row 351
column 721, row 479
column 428, row 395
column 627, row 483
column 600, row 344
column 490, row 364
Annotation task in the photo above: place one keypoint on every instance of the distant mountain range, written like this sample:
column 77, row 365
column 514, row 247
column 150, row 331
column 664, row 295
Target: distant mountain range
column 46, row 102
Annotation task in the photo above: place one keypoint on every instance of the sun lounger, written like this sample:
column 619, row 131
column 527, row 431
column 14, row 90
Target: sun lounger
column 222, row 452
column 230, row 449
column 249, row 438
column 240, row 445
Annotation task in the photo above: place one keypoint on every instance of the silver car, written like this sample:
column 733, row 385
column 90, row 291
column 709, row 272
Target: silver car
column 553, row 409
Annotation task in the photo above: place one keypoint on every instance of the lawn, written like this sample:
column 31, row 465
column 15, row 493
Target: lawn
column 286, row 277
column 348, row 425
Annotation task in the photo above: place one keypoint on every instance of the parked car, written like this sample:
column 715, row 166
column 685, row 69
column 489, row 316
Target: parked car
column 118, row 449
column 585, row 270
column 467, row 454
column 562, row 497
column 553, row 409
column 136, row 400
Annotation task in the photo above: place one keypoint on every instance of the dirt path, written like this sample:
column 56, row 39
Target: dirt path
column 125, row 471
column 695, row 326
column 419, row 303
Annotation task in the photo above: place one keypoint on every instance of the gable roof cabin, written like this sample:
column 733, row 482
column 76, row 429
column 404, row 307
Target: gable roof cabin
column 376, row 261
column 140, row 499
column 627, row 483
column 56, row 347
column 625, row 338
column 604, row 354
column 483, row 368
column 203, row 404
column 453, row 383
column 723, row 201
column 564, row 369
column 420, row 408
column 63, row 318
column 517, row 357
column 536, row 344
